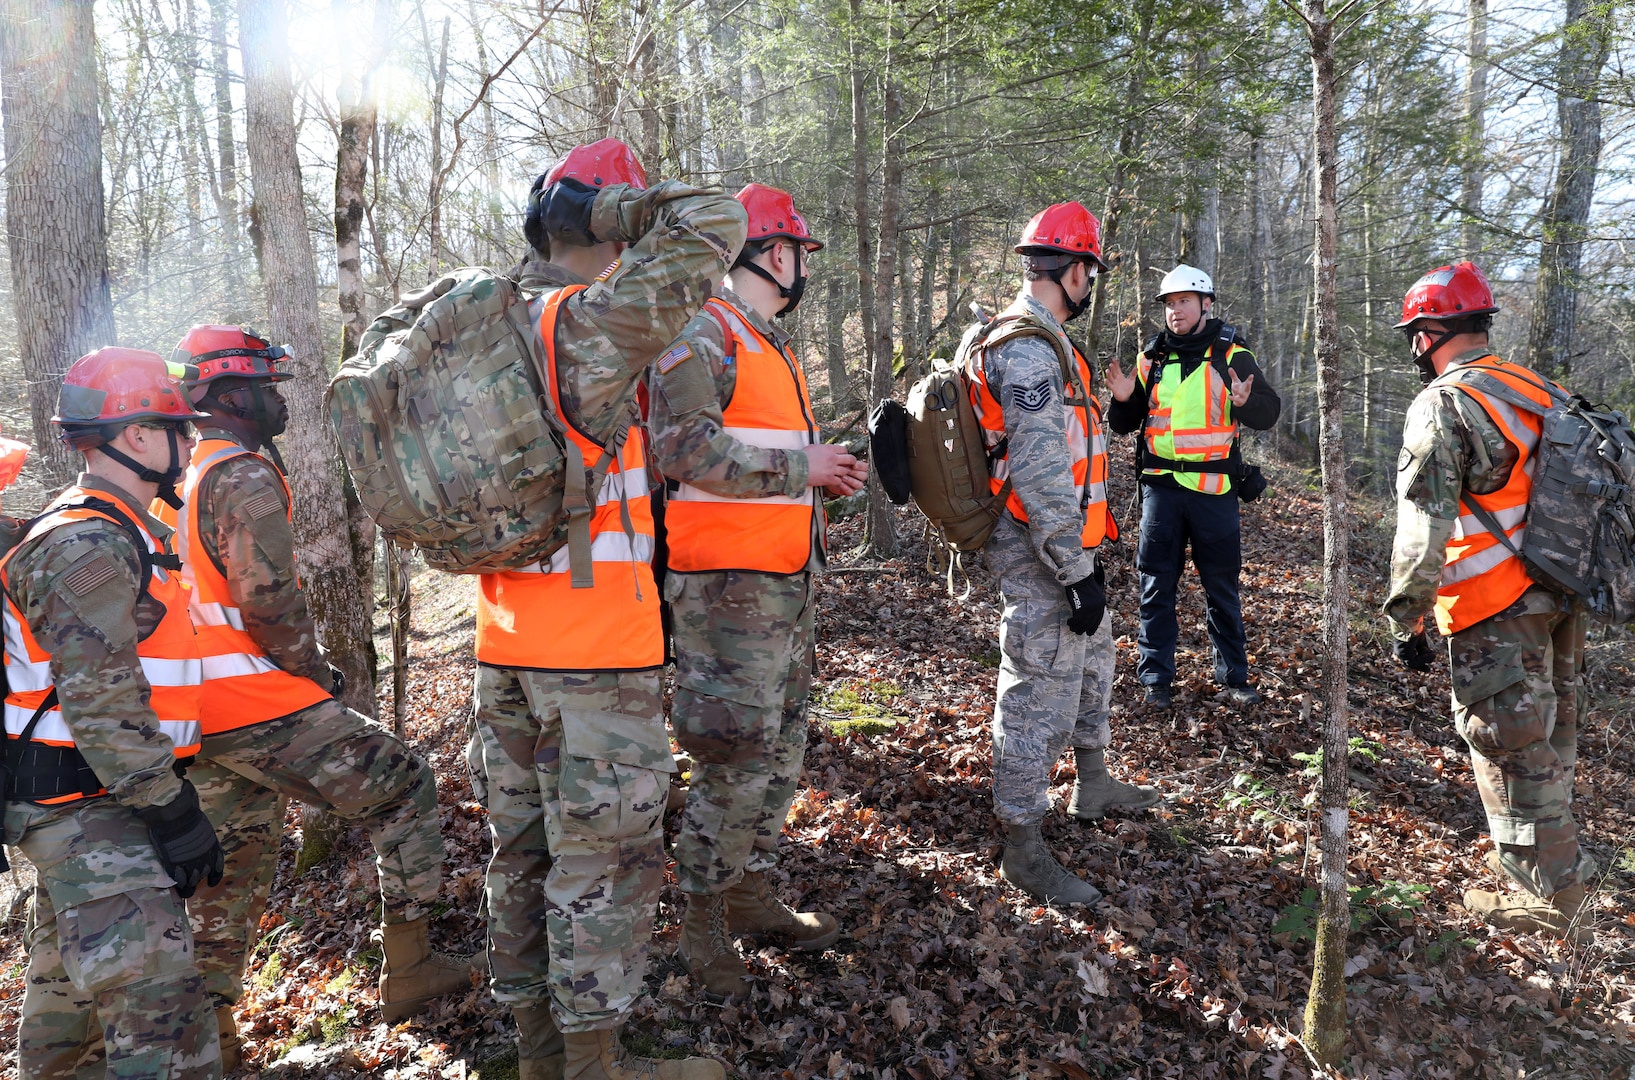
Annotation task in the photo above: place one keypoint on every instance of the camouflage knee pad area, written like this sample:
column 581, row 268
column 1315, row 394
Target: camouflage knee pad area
column 1513, row 680
column 578, row 770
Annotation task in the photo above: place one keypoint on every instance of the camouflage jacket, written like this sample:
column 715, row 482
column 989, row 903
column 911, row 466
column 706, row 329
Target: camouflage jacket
column 1041, row 466
column 1449, row 446
column 689, row 440
column 92, row 637
column 682, row 239
column 244, row 529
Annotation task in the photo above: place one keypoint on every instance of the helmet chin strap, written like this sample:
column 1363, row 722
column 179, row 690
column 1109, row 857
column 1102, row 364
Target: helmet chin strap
column 1422, row 360
column 791, row 293
column 166, row 480
column 1075, row 308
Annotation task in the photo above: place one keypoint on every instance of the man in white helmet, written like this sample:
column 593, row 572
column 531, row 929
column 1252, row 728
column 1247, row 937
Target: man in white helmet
column 1193, row 385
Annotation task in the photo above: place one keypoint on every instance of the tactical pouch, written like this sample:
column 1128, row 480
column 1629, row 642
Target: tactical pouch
column 1251, row 483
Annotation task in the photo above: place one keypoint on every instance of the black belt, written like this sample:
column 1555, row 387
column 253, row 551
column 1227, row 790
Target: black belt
column 43, row 772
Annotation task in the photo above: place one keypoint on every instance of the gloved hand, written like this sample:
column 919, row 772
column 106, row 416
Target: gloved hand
column 185, row 841
column 1087, row 602
column 337, row 682
column 565, row 209
column 1416, row 653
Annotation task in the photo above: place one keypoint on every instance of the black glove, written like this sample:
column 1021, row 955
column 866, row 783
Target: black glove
column 1416, row 653
column 337, row 682
column 186, row 843
column 565, row 211
column 1087, row 601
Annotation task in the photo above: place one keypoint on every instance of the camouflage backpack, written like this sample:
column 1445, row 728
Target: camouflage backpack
column 1580, row 535
column 452, row 440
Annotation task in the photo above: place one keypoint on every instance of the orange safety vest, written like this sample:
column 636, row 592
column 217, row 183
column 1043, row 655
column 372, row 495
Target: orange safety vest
column 242, row 685
column 770, row 408
column 1190, row 419
column 169, row 655
column 1482, row 577
column 534, row 617
column 1086, row 444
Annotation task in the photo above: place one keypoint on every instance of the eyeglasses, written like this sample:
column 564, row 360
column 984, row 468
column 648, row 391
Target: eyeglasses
column 184, row 428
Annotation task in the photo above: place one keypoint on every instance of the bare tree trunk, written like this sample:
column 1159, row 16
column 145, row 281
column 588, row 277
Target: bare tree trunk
column 339, row 597
column 842, row 397
column 1325, row 1030
column 1474, row 156
column 881, row 531
column 1128, row 139
column 56, row 230
column 357, row 133
column 491, row 151
column 399, row 608
column 860, row 183
column 1585, row 41
column 1260, row 234
column 226, row 142
column 435, row 195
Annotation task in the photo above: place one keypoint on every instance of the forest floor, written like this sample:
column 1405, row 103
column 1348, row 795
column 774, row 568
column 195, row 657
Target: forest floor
column 1198, row 963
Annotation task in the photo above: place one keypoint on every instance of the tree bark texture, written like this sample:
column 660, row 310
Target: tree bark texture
column 1117, row 195
column 1586, row 39
column 335, row 592
column 56, row 227
column 357, row 132
column 1473, row 162
column 226, row 143
column 860, row 183
column 1325, row 1029
column 881, row 530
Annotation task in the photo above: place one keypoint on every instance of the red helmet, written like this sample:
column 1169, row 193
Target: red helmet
column 1448, row 292
column 599, row 164
column 772, row 213
column 222, row 351
column 119, row 386
column 1066, row 227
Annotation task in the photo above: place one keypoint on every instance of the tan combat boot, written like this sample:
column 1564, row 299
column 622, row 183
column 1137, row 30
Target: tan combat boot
column 232, row 1047
column 1095, row 792
column 1029, row 865
column 1528, row 914
column 541, row 1050
column 754, row 911
column 708, row 950
column 597, row 1055
column 411, row 974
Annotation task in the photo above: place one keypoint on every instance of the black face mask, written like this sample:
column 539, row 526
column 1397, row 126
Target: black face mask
column 1078, row 307
column 791, row 293
column 1422, row 360
column 166, row 480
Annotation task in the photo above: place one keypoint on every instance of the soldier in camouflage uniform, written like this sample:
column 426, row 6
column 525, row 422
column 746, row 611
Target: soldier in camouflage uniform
column 1516, row 648
column 101, row 715
column 733, row 431
column 1031, row 388
column 272, row 730
column 569, row 710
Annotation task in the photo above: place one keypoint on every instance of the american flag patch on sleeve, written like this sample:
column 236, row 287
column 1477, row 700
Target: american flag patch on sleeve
column 88, row 574
column 675, row 356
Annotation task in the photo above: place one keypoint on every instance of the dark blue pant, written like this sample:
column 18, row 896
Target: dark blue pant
column 1170, row 518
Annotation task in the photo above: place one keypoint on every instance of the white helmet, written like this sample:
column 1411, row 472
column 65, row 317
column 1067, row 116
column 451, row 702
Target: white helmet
column 1185, row 278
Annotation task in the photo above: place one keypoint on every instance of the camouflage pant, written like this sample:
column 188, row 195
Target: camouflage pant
column 326, row 756
column 1055, row 686
column 744, row 654
column 1518, row 696
column 112, row 988
column 577, row 766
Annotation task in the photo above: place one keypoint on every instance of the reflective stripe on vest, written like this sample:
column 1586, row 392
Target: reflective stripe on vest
column 1190, row 419
column 169, row 656
column 1482, row 576
column 1087, row 451
column 242, row 685
column 770, row 408
column 533, row 617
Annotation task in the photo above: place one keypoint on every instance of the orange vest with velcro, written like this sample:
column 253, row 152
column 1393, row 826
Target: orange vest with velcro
column 1086, row 445
column 242, row 685
column 1482, row 576
column 770, row 408
column 169, row 655
column 534, row 617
